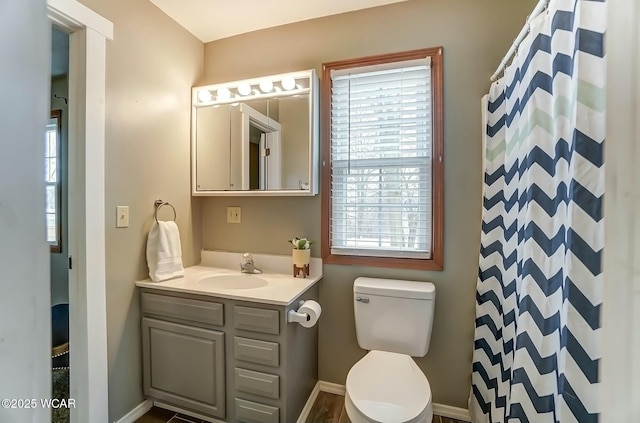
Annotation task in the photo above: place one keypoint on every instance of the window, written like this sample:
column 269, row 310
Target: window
column 52, row 180
column 382, row 197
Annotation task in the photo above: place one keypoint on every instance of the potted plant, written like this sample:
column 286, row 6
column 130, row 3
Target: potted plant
column 301, row 255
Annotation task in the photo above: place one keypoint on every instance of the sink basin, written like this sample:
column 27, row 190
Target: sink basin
column 242, row 281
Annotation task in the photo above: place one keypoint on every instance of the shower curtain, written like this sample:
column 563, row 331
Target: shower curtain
column 539, row 291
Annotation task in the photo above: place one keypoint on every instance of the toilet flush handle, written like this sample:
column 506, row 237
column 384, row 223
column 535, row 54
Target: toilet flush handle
column 362, row 299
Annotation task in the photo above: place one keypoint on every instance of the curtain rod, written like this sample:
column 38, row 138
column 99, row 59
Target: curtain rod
column 540, row 7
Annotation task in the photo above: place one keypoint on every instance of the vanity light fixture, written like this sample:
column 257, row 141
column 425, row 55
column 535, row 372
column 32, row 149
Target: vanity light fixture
column 288, row 83
column 223, row 94
column 273, row 86
column 244, row 89
column 266, row 86
column 205, row 96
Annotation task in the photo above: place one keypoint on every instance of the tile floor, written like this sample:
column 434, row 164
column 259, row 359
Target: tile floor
column 328, row 408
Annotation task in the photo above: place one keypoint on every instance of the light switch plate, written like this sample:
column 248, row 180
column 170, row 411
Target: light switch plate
column 234, row 215
column 122, row 216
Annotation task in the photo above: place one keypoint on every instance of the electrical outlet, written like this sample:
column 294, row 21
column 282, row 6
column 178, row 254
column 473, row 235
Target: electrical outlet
column 234, row 215
column 122, row 216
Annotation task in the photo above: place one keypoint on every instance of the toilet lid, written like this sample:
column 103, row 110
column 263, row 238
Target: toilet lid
column 388, row 387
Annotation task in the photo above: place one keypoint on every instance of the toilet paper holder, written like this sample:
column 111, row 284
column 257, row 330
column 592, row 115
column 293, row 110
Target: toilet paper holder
column 294, row 317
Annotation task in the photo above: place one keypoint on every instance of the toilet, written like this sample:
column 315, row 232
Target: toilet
column 393, row 321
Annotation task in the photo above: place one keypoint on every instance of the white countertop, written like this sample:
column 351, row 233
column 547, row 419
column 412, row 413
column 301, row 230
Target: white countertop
column 279, row 287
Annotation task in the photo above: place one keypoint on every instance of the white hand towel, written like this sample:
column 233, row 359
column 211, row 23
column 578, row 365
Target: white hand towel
column 164, row 253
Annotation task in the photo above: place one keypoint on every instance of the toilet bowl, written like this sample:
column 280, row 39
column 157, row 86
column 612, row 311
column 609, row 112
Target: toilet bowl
column 386, row 387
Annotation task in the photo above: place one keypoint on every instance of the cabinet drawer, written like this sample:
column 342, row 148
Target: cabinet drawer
column 257, row 383
column 254, row 351
column 183, row 308
column 252, row 412
column 256, row 319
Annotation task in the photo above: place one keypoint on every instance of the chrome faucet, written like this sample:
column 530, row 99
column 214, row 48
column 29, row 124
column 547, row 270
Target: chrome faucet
column 247, row 265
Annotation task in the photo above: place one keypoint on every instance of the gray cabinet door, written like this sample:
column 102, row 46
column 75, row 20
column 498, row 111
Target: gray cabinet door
column 184, row 366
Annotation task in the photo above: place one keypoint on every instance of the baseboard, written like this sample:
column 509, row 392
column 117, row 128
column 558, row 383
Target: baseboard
column 139, row 411
column 332, row 388
column 309, row 404
column 438, row 409
column 321, row 386
column 452, row 412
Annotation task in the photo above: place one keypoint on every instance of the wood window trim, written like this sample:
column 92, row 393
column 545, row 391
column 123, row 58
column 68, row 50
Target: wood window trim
column 57, row 114
column 436, row 262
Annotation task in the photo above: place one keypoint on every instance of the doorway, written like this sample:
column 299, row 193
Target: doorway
column 88, row 33
column 57, row 222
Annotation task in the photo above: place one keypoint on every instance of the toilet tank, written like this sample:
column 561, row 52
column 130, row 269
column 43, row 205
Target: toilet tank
column 394, row 315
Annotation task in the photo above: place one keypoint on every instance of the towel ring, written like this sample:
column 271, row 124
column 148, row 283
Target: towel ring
column 159, row 204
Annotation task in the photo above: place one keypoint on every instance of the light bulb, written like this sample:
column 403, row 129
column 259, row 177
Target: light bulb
column 244, row 89
column 205, row 96
column 266, row 86
column 224, row 93
column 288, row 83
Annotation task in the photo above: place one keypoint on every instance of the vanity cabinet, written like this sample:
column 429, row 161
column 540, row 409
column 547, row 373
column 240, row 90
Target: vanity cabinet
column 229, row 360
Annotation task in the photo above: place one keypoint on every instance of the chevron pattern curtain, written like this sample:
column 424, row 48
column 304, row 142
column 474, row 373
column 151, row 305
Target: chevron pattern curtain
column 539, row 292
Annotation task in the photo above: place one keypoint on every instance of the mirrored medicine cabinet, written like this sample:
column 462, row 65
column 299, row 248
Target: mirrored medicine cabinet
column 256, row 137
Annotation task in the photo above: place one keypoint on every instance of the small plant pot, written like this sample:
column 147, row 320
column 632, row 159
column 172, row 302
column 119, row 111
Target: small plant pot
column 301, row 259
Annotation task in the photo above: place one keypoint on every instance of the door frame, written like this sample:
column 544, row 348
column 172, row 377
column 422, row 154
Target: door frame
column 87, row 292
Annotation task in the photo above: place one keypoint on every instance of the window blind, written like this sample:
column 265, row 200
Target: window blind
column 51, row 180
column 381, row 148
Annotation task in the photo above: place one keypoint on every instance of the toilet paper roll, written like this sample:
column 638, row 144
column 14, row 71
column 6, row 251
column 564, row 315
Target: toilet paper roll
column 313, row 311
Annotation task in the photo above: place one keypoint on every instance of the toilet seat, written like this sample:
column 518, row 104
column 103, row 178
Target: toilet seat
column 387, row 387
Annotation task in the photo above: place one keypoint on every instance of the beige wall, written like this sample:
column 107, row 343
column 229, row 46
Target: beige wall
column 475, row 35
column 152, row 63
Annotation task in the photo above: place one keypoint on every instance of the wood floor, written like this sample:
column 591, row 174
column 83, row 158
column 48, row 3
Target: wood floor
column 160, row 415
column 328, row 408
